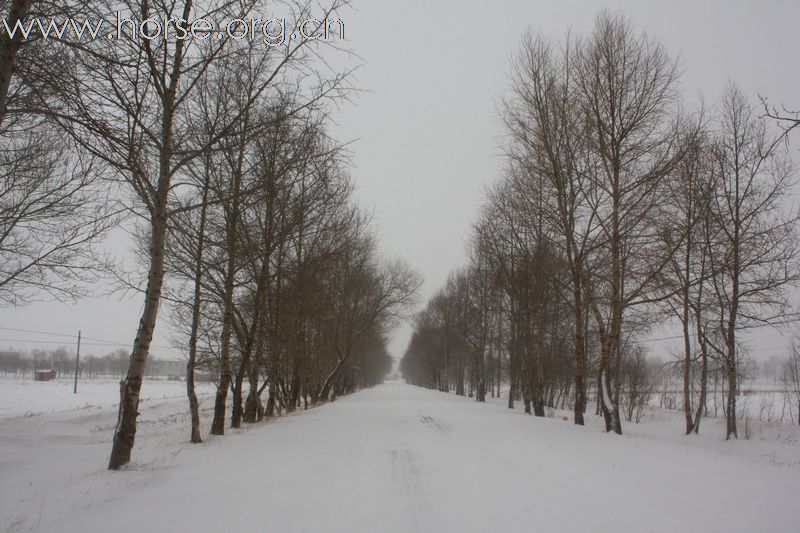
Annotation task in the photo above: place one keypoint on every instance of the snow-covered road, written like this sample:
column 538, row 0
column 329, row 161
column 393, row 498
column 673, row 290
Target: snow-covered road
column 402, row 459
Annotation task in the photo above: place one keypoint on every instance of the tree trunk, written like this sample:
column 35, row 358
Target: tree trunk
column 8, row 51
column 580, row 355
column 701, row 401
column 253, row 409
column 513, row 363
column 194, row 408
column 730, row 407
column 608, row 394
column 218, row 424
column 538, row 388
column 687, row 367
column 271, row 401
column 238, row 382
column 460, row 390
column 130, row 387
column 526, row 398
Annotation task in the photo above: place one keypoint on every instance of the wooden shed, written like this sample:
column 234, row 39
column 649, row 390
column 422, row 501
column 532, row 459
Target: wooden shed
column 44, row 375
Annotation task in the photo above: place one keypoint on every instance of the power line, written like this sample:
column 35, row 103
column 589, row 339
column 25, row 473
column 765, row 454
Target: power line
column 35, row 340
column 96, row 341
column 741, row 328
column 39, row 332
column 39, row 341
column 99, row 344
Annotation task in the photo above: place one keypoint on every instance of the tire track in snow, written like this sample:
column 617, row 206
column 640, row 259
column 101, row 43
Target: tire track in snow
column 441, row 426
column 406, row 483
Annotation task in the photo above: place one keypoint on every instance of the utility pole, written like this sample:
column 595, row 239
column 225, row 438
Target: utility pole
column 77, row 363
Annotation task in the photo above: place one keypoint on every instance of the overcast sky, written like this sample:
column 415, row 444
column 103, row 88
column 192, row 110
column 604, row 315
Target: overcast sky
column 426, row 129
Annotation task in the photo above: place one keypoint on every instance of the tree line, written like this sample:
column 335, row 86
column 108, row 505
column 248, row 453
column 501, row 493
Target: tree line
column 620, row 208
column 22, row 364
column 216, row 155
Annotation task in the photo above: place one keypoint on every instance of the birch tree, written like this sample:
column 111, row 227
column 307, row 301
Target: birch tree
column 545, row 139
column 627, row 87
column 128, row 103
column 754, row 252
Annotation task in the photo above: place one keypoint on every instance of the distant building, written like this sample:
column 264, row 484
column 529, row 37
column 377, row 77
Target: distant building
column 44, row 375
column 173, row 369
column 165, row 369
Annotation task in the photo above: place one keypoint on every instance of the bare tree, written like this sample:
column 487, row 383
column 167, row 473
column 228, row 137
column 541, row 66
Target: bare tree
column 52, row 214
column 639, row 380
column 547, row 141
column 690, row 193
column 790, row 379
column 755, row 245
column 627, row 85
column 788, row 119
column 369, row 295
column 53, row 209
column 129, row 104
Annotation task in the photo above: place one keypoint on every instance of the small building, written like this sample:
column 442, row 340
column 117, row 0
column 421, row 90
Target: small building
column 173, row 369
column 160, row 368
column 44, row 375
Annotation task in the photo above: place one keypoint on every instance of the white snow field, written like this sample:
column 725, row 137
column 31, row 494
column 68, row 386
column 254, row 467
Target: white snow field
column 395, row 458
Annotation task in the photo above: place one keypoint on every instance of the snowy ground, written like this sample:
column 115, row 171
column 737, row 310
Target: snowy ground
column 53, row 444
column 393, row 459
column 25, row 397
